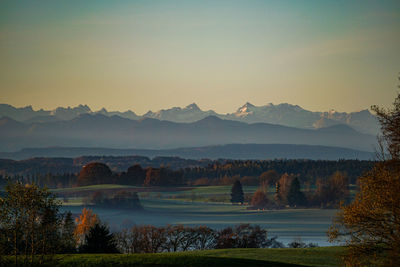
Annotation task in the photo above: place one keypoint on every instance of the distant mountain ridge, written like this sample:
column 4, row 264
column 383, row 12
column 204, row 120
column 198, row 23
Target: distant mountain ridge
column 96, row 130
column 282, row 114
column 229, row 151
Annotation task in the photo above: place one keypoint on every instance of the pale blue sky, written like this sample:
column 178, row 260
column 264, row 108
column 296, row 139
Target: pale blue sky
column 143, row 55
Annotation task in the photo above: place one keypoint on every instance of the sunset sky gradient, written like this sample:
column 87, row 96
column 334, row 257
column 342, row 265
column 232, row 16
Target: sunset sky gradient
column 142, row 55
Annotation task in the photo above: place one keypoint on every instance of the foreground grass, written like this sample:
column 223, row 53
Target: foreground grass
column 321, row 257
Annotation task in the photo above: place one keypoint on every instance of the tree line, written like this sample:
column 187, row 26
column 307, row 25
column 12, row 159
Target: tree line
column 328, row 193
column 220, row 172
column 308, row 170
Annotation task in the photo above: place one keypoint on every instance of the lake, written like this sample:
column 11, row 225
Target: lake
column 310, row 225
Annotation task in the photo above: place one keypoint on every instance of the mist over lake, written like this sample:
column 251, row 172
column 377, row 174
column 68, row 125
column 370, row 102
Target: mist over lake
column 200, row 133
column 310, row 225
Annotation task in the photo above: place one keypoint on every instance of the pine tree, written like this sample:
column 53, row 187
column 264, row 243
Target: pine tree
column 67, row 235
column 237, row 193
column 99, row 240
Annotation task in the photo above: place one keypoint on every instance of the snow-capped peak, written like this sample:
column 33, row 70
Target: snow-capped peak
column 245, row 109
column 248, row 105
column 193, row 106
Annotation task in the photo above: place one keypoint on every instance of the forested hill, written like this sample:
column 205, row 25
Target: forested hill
column 74, row 165
column 189, row 169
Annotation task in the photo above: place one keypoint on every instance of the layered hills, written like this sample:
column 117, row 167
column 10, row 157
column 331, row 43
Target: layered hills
column 282, row 114
column 271, row 131
column 116, row 132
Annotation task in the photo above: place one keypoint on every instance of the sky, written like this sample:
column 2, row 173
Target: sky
column 149, row 55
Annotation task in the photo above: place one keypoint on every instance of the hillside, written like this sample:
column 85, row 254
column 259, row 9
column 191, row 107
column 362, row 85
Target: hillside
column 116, row 132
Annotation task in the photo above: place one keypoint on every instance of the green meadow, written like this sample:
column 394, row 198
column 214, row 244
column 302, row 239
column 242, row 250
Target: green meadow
column 321, row 257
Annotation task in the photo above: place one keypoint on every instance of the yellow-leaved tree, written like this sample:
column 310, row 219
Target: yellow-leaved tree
column 84, row 222
column 370, row 225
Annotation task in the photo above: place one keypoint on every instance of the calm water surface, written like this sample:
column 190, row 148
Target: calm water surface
column 310, row 225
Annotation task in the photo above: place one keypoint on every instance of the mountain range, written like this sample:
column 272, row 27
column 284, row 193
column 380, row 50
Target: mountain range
column 96, row 130
column 281, row 114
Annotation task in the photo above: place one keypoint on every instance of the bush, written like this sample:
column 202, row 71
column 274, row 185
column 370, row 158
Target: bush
column 172, row 238
column 242, row 236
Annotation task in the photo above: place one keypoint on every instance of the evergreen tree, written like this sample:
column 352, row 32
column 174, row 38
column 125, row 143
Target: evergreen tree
column 295, row 197
column 237, row 193
column 67, row 234
column 50, row 223
column 99, row 240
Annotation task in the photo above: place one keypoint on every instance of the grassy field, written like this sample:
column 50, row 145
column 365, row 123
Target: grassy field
column 220, row 194
column 321, row 257
column 92, row 187
column 202, row 194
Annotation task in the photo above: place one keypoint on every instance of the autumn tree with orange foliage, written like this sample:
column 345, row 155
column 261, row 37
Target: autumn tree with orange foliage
column 267, row 179
column 282, row 188
column 370, row 225
column 84, row 222
column 94, row 173
column 259, row 200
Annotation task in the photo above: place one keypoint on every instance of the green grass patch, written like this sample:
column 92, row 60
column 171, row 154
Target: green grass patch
column 92, row 187
column 221, row 189
column 72, row 201
column 321, row 257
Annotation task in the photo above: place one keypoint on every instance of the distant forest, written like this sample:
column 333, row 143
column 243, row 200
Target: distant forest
column 170, row 171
